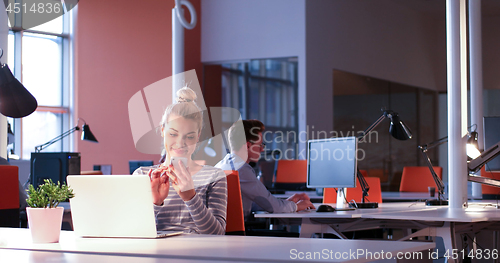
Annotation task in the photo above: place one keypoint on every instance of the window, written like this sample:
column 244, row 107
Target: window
column 40, row 58
column 266, row 89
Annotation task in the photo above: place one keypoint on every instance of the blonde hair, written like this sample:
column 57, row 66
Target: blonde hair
column 185, row 107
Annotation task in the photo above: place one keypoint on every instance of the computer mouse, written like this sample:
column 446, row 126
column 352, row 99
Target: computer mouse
column 325, row 208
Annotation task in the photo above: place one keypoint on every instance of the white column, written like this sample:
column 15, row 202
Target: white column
column 177, row 52
column 4, row 32
column 3, row 136
column 476, row 79
column 457, row 112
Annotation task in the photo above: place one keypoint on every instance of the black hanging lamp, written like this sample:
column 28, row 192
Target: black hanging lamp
column 15, row 100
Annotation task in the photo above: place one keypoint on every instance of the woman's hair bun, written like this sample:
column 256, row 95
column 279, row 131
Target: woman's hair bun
column 186, row 95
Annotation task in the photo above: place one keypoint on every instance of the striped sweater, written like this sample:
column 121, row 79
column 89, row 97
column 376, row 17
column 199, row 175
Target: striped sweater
column 205, row 213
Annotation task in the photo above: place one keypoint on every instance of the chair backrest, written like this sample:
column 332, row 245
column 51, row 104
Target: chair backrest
column 356, row 194
column 235, row 221
column 291, row 171
column 91, row 172
column 418, row 178
column 487, row 189
column 9, row 187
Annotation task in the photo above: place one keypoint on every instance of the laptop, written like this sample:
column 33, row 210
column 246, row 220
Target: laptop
column 113, row 206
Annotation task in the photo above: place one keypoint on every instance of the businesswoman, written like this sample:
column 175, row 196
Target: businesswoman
column 193, row 198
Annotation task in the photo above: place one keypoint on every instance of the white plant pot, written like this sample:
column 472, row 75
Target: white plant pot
column 45, row 224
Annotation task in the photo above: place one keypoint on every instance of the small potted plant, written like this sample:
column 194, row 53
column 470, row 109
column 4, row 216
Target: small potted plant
column 44, row 217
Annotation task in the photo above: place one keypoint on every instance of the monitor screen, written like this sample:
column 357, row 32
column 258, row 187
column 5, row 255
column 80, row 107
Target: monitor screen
column 332, row 162
column 134, row 164
column 492, row 137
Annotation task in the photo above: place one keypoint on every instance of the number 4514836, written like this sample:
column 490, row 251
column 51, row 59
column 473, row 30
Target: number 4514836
column 40, row 8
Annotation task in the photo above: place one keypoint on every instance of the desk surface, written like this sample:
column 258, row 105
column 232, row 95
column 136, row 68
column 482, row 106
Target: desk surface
column 386, row 196
column 358, row 213
column 204, row 247
column 476, row 212
column 27, row 256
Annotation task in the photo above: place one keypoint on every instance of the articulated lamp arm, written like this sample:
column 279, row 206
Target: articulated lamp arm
column 476, row 165
column 56, row 139
column 437, row 180
column 397, row 129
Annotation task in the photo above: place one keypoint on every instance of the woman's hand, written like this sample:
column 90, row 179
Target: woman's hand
column 159, row 184
column 182, row 181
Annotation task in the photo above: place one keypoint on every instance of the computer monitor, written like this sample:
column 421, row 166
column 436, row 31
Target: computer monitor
column 53, row 165
column 492, row 137
column 134, row 164
column 332, row 163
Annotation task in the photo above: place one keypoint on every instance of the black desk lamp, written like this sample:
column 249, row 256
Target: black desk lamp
column 87, row 135
column 472, row 152
column 15, row 100
column 437, row 180
column 398, row 130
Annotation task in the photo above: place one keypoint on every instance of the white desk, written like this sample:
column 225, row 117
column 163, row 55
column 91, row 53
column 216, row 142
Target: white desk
column 200, row 247
column 429, row 220
column 29, row 256
column 386, row 196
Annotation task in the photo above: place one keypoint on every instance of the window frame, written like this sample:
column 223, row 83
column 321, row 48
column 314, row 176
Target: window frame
column 67, row 104
column 231, row 97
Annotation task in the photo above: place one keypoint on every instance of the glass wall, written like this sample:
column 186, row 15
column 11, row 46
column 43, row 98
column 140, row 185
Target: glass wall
column 360, row 100
column 266, row 89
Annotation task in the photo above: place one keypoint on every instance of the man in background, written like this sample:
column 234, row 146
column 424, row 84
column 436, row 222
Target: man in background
column 252, row 190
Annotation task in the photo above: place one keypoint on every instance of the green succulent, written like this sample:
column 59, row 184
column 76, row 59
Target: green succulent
column 48, row 194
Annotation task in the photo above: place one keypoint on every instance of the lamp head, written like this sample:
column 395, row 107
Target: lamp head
column 473, row 146
column 398, row 128
column 87, row 135
column 15, row 100
column 209, row 149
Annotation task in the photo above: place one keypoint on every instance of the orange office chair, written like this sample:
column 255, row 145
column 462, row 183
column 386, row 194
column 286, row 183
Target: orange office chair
column 356, row 194
column 418, row 178
column 235, row 221
column 91, row 172
column 490, row 192
column 9, row 196
column 291, row 175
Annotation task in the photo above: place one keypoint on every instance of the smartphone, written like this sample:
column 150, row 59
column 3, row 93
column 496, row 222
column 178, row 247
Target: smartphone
column 175, row 162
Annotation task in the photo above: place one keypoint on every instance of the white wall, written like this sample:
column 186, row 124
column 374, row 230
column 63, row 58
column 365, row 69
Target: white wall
column 250, row 29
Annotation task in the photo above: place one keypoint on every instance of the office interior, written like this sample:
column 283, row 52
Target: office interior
column 395, row 60
column 336, row 65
